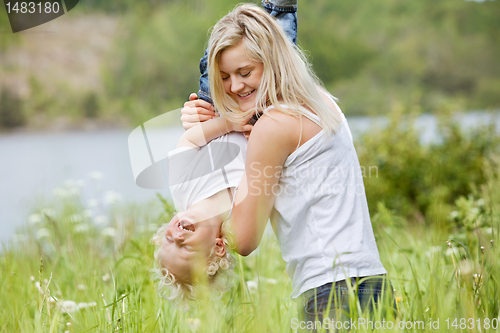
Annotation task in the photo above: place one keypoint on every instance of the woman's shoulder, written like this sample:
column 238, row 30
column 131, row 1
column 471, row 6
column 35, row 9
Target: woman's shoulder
column 276, row 127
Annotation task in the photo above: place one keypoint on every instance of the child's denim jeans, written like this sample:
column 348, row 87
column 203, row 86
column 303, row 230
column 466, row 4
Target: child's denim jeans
column 285, row 12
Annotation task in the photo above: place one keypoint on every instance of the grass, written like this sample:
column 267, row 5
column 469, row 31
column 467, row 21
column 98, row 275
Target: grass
column 79, row 267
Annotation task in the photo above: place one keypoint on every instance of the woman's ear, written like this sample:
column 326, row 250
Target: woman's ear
column 220, row 247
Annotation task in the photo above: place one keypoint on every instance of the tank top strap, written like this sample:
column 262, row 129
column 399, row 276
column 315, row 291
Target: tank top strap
column 313, row 117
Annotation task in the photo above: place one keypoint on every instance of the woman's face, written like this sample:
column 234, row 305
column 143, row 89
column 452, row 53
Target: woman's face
column 241, row 76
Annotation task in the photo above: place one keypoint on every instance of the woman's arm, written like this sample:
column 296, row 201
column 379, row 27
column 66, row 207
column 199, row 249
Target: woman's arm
column 272, row 140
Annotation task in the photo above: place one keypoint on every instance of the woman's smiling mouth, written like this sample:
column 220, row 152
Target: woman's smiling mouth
column 246, row 95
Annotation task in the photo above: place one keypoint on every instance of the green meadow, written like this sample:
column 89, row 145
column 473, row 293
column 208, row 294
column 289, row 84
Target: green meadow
column 85, row 266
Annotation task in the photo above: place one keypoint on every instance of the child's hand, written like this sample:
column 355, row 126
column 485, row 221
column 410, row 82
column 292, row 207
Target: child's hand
column 195, row 111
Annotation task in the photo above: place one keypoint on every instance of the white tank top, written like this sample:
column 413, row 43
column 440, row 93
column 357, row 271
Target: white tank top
column 321, row 214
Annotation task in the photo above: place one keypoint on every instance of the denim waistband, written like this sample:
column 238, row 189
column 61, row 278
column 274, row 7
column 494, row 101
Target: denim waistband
column 288, row 6
column 342, row 283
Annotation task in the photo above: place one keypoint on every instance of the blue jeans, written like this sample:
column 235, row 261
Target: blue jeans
column 369, row 291
column 285, row 12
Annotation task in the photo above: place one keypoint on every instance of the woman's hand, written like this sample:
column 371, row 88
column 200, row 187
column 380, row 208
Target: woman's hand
column 242, row 125
column 195, row 111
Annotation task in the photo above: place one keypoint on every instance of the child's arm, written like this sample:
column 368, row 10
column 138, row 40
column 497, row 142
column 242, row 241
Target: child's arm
column 203, row 133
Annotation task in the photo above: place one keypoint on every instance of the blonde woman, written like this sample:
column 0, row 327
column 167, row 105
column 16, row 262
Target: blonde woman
column 301, row 171
column 204, row 171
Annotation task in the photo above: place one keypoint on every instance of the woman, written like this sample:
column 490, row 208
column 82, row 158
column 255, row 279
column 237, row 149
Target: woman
column 301, row 167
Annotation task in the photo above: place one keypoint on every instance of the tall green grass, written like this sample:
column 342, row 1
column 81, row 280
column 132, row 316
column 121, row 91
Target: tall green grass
column 84, row 267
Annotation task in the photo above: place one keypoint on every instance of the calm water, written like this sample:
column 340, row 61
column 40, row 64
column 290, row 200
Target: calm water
column 32, row 165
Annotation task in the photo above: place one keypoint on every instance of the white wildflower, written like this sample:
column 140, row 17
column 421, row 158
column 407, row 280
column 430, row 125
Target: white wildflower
column 106, row 277
column 87, row 213
column 453, row 251
column 68, row 307
column 480, row 202
column 488, row 230
column 474, row 210
column 101, row 220
column 80, row 183
column 69, row 183
column 60, row 192
column 108, row 232
column 76, row 218
column 35, row 219
column 465, row 267
column 91, row 203
column 252, row 285
column 81, row 228
column 42, row 233
column 82, row 305
column 436, row 249
column 96, row 175
column 81, row 286
column 48, row 211
column 268, row 280
column 32, row 278
column 73, row 191
column 111, row 197
column 454, row 214
column 194, row 324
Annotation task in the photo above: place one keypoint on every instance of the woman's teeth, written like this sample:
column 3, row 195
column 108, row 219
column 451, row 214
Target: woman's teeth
column 245, row 95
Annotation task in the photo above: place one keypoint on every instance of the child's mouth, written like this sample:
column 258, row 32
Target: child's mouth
column 186, row 226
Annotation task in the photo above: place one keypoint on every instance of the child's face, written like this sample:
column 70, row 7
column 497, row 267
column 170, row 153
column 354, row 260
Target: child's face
column 188, row 242
column 241, row 75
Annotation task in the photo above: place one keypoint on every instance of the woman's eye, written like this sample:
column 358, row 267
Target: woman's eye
column 225, row 78
column 245, row 75
column 169, row 239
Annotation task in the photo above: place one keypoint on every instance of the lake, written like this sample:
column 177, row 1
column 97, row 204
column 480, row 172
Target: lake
column 33, row 165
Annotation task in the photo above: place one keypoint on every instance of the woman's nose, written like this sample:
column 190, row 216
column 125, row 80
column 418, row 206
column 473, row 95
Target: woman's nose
column 236, row 85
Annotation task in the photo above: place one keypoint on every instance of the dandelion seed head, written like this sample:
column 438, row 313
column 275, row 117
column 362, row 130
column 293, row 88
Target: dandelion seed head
column 68, row 307
column 42, row 233
column 96, row 175
column 81, row 228
column 48, row 211
column 109, row 232
column 76, row 218
column 101, row 220
column 111, row 197
column 35, row 219
column 252, row 285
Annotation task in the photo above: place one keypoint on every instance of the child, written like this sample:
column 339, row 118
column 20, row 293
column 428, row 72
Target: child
column 202, row 180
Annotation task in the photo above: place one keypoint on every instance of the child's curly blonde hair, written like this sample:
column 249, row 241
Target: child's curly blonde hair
column 219, row 271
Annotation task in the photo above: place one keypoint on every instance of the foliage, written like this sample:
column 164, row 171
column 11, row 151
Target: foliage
column 418, row 180
column 11, row 109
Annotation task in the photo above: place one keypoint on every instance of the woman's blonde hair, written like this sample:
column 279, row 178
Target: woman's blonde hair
column 219, row 271
column 287, row 74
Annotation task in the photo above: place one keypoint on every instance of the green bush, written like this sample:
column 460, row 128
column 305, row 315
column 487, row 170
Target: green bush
column 11, row 109
column 421, row 181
